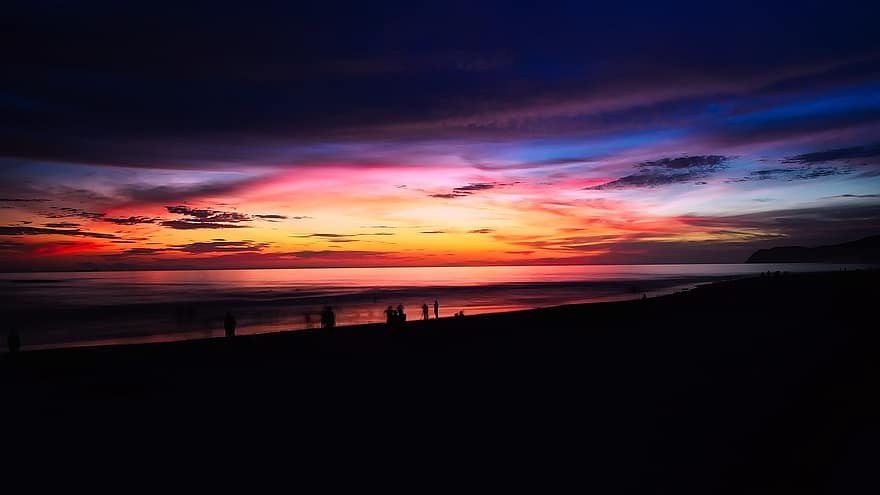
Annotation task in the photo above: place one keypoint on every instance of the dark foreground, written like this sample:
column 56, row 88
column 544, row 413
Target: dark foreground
column 766, row 385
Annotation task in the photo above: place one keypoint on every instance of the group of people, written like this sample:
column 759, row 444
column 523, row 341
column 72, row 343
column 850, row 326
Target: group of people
column 328, row 317
column 436, row 310
column 399, row 316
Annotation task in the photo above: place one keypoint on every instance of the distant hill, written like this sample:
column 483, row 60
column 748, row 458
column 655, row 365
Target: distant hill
column 866, row 250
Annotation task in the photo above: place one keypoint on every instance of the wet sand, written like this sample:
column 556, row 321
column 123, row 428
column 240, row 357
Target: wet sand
column 760, row 385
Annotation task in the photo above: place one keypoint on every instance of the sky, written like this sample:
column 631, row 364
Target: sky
column 293, row 134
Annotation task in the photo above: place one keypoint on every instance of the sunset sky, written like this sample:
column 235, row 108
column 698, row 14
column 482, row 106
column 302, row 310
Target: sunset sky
column 395, row 134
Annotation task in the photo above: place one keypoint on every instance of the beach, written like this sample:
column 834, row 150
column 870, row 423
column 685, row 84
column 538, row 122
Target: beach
column 758, row 385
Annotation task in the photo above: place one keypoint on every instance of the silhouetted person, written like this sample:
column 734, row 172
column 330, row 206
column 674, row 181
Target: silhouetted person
column 436, row 309
column 424, row 311
column 229, row 324
column 400, row 313
column 13, row 341
column 389, row 315
column 328, row 317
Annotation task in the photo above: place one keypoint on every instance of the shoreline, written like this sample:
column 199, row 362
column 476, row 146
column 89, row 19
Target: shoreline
column 63, row 315
column 756, row 385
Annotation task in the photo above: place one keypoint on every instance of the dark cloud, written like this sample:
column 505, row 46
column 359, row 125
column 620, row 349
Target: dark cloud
column 433, row 232
column 330, row 235
column 222, row 247
column 190, row 225
column 16, row 200
column 47, row 231
column 202, row 248
column 337, row 254
column 807, row 226
column 667, row 171
column 841, row 154
column 344, row 240
column 61, row 225
column 791, row 173
column 474, row 186
column 464, row 191
column 856, row 196
column 131, row 220
column 144, row 251
column 207, row 215
column 67, row 212
column 245, row 79
column 273, row 217
column 687, row 162
column 203, row 218
column 447, row 195
column 481, row 231
column 167, row 193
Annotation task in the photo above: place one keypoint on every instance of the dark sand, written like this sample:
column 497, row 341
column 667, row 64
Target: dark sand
column 763, row 385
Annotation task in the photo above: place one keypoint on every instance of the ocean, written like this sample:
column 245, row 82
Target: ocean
column 65, row 309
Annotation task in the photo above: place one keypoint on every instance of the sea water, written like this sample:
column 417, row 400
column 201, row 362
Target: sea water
column 62, row 309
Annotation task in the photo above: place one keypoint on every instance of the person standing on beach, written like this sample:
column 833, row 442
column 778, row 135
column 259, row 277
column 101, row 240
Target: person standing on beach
column 436, row 309
column 229, row 324
column 389, row 315
column 331, row 317
column 328, row 317
column 424, row 311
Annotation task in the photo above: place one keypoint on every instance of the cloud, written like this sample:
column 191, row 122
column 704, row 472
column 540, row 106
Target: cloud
column 856, row 196
column 131, row 220
column 464, row 191
column 203, row 218
column 273, row 217
column 188, row 225
column 840, row 154
column 481, row 231
column 222, row 247
column 447, row 195
column 67, row 212
column 791, row 174
column 168, row 193
column 16, row 200
column 667, row 171
column 330, row 235
column 207, row 215
column 336, row 254
column 807, row 225
column 433, row 232
column 474, row 186
column 42, row 231
column 61, row 225
column 144, row 251
column 201, row 248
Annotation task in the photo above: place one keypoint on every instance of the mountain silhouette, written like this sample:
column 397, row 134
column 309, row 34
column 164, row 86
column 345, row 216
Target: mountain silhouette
column 865, row 250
